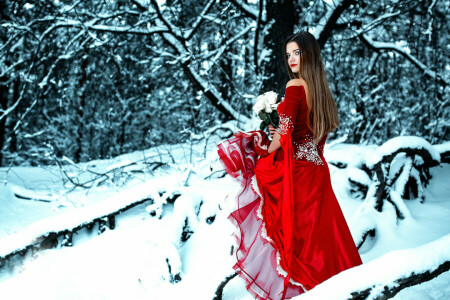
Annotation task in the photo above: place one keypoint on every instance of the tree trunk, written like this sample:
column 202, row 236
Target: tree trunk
column 3, row 105
column 282, row 12
column 80, row 111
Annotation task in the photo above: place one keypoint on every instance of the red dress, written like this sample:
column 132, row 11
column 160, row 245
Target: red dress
column 291, row 232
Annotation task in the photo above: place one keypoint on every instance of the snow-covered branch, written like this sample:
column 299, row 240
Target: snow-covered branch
column 213, row 95
column 188, row 35
column 46, row 233
column 219, row 51
column 324, row 30
column 248, row 10
column 325, row 19
column 112, row 28
column 415, row 145
column 178, row 44
column 400, row 169
column 378, row 46
column 172, row 28
column 376, row 22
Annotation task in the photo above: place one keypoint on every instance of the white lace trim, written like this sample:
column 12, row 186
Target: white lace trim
column 255, row 188
column 259, row 210
column 280, row 269
column 283, row 273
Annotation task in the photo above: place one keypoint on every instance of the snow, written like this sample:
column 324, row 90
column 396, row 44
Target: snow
column 392, row 145
column 351, row 155
column 442, row 148
column 383, row 271
column 405, row 52
column 359, row 176
column 317, row 31
column 200, row 80
column 438, row 288
column 71, row 219
column 404, row 175
column 183, row 250
column 131, row 262
column 198, row 21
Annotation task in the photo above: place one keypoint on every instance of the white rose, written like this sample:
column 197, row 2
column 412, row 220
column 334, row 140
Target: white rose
column 271, row 97
column 268, row 107
column 259, row 105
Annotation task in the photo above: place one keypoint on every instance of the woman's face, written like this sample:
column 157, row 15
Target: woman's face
column 293, row 53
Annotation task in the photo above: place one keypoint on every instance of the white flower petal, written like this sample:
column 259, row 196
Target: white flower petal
column 271, row 97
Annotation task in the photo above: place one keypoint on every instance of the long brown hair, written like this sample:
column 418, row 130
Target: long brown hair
column 323, row 115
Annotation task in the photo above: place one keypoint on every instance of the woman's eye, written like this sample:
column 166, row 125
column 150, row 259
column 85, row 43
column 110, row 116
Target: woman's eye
column 297, row 52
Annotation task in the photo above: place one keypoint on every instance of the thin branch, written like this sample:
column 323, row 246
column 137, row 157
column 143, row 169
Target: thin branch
column 166, row 22
column 328, row 23
column 379, row 46
column 199, row 20
column 112, row 28
column 378, row 21
column 256, row 42
column 248, row 11
column 12, row 67
column 219, row 51
column 139, row 5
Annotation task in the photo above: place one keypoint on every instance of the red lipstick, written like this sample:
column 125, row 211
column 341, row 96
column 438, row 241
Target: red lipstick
column 293, row 65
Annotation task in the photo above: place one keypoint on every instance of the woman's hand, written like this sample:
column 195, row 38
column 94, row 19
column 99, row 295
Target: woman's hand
column 275, row 143
column 271, row 130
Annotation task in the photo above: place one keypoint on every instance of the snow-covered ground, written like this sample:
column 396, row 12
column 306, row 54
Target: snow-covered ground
column 145, row 256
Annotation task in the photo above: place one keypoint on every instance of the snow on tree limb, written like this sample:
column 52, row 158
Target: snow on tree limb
column 399, row 167
column 188, row 35
column 60, row 22
column 377, row 46
column 385, row 276
column 139, row 5
column 216, row 53
column 444, row 151
column 89, row 25
column 172, row 28
column 215, row 98
column 324, row 21
column 177, row 43
column 376, row 22
column 58, row 225
column 248, row 10
column 326, row 25
column 430, row 8
column 113, row 28
column 403, row 144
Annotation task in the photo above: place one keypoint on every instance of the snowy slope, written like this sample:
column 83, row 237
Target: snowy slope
column 145, row 256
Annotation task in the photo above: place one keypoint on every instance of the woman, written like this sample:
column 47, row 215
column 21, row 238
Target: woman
column 292, row 234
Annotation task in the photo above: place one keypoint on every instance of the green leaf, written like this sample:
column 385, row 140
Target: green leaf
column 275, row 119
column 263, row 125
column 262, row 115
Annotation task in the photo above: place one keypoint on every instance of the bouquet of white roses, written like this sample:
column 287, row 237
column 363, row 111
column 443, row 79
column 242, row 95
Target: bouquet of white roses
column 266, row 108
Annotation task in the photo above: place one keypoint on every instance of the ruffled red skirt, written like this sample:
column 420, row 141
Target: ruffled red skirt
column 321, row 245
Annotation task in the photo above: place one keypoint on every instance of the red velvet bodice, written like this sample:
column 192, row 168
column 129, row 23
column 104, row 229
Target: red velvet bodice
column 293, row 112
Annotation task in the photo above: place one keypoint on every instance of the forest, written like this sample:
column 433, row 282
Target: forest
column 111, row 116
column 96, row 79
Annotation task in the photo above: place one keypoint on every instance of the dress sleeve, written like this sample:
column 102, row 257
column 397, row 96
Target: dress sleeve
column 288, row 111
